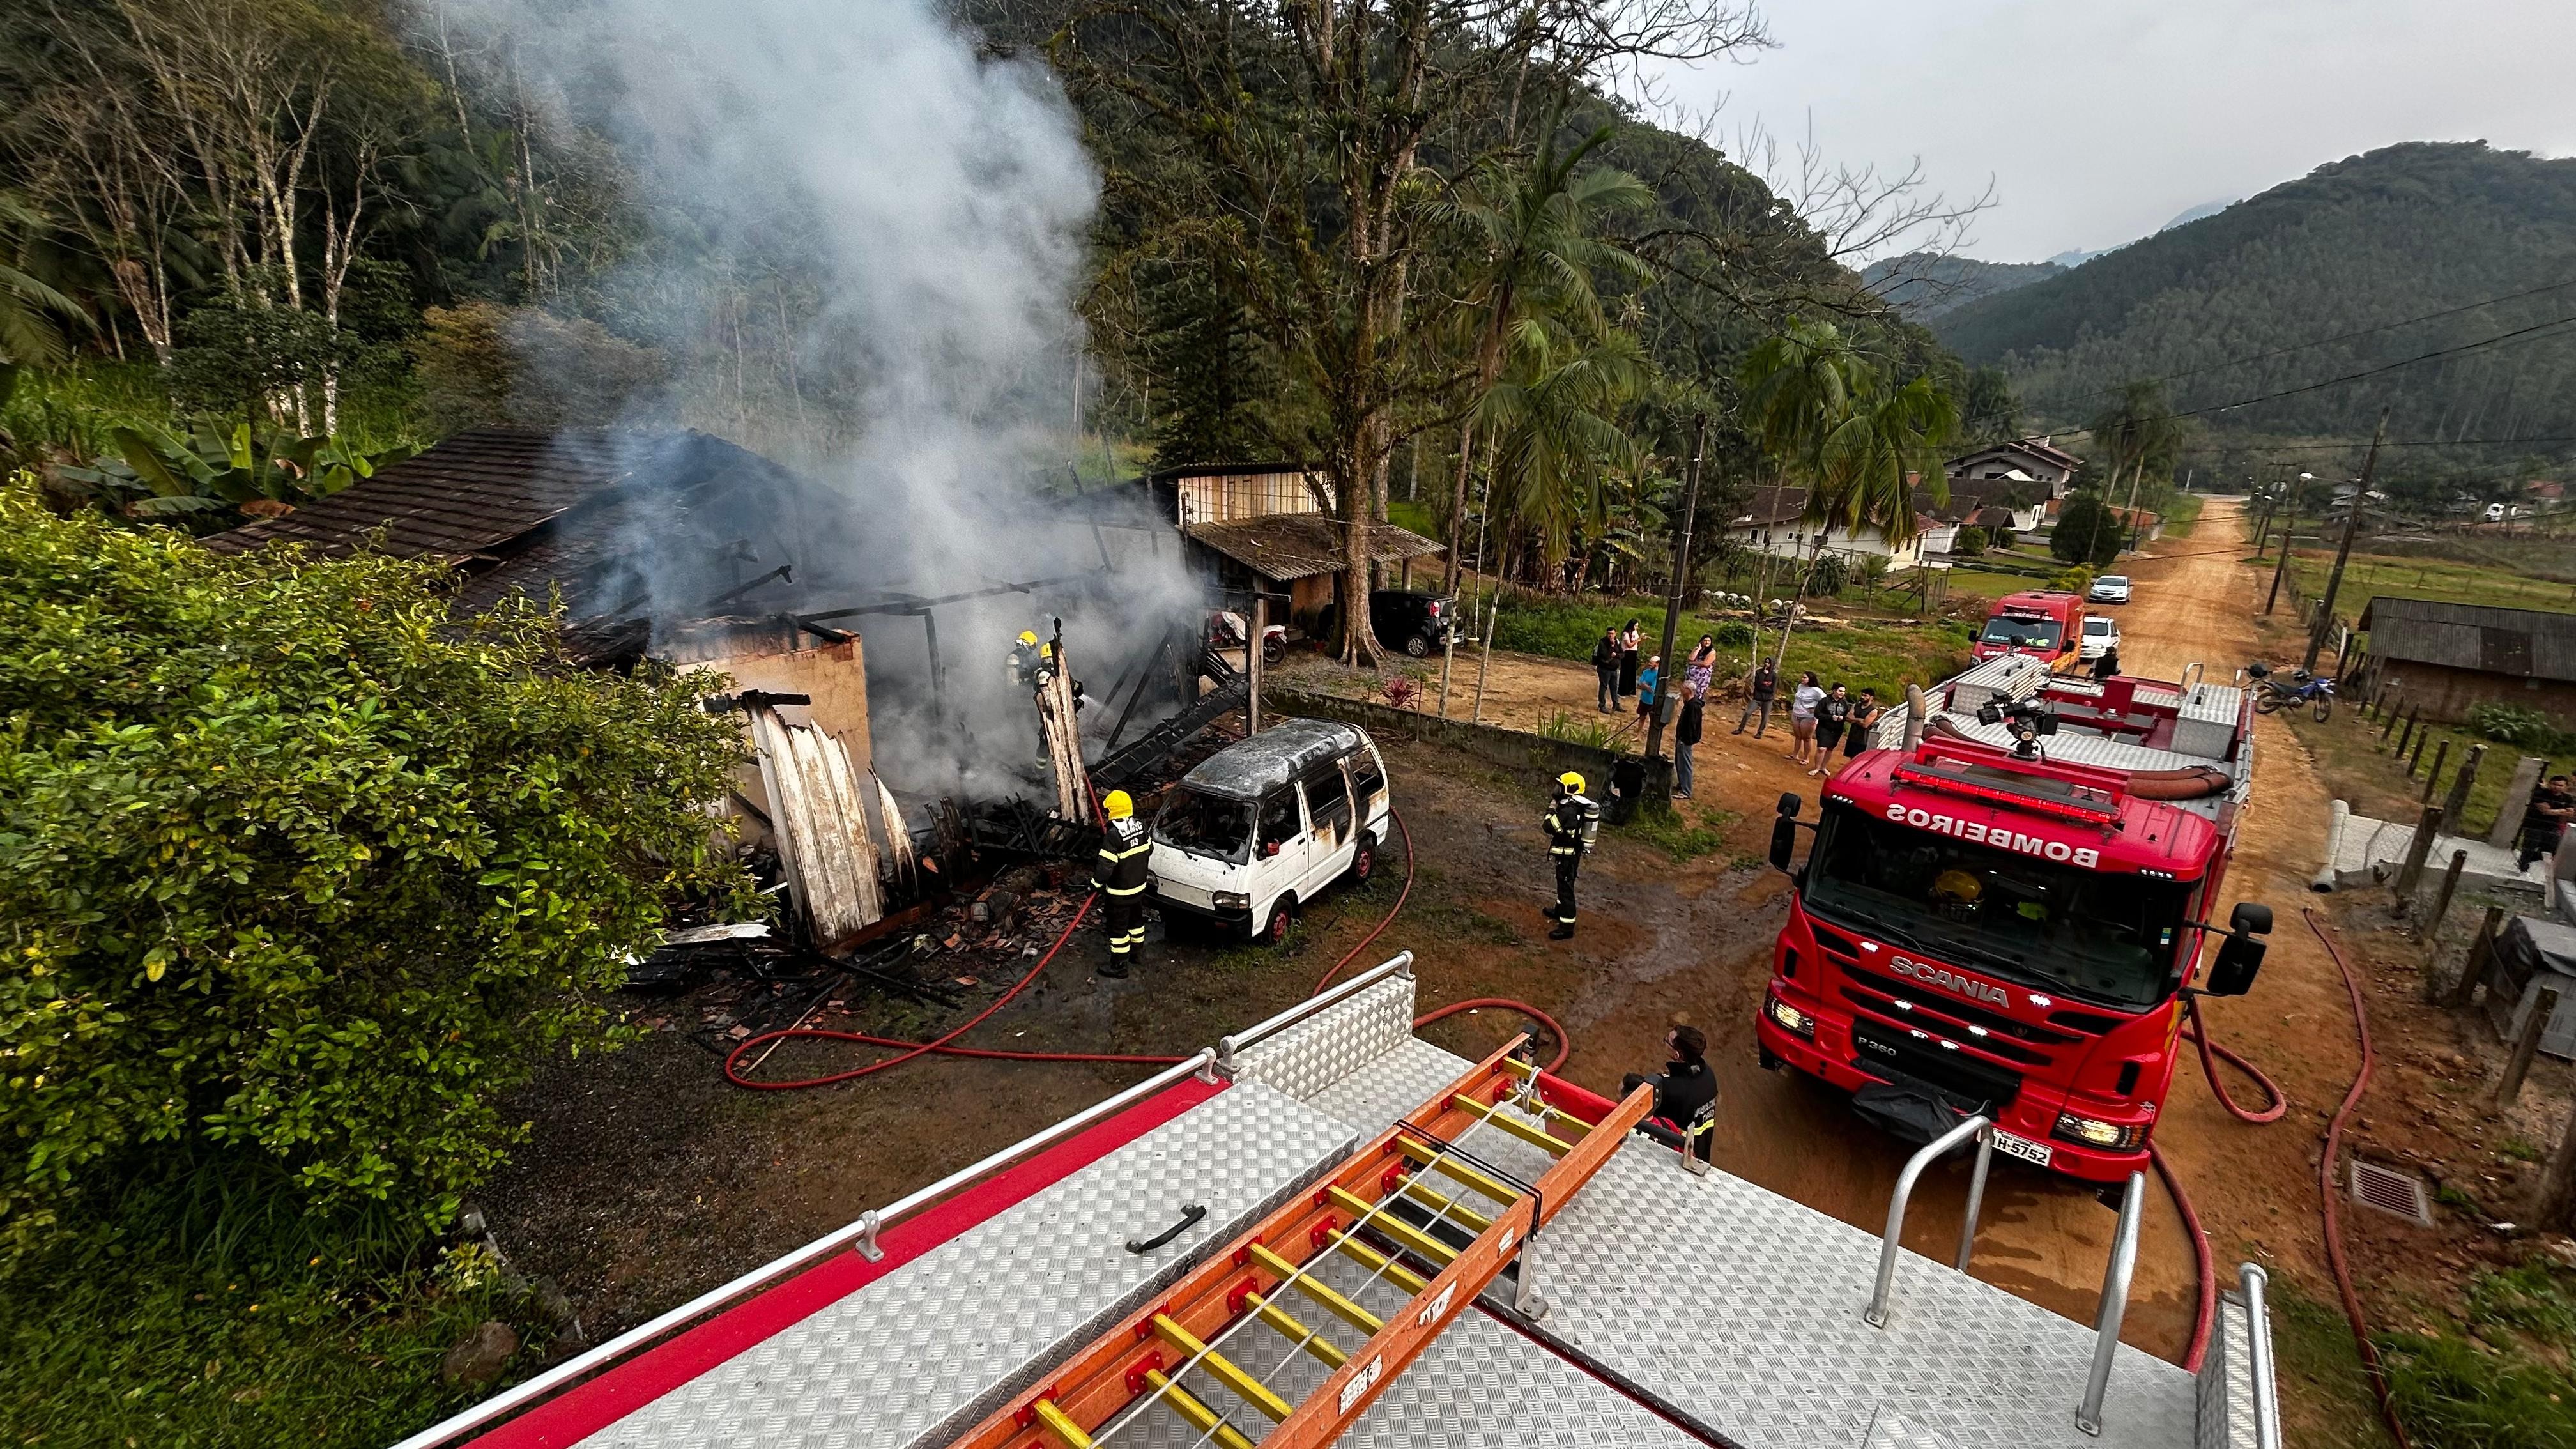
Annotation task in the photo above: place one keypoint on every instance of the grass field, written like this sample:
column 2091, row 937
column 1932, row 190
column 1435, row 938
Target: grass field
column 2366, row 575
column 2362, row 767
column 1883, row 655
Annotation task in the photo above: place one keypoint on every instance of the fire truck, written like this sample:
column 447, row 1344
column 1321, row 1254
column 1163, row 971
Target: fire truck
column 2006, row 903
column 2043, row 623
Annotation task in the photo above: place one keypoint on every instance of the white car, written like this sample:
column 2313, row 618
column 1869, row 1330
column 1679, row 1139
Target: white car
column 2109, row 589
column 1264, row 825
column 2100, row 637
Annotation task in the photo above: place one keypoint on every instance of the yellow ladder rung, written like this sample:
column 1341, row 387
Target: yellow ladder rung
column 1330, row 1301
column 1529, row 1073
column 1306, row 1338
column 1229, row 1373
column 1396, row 1228
column 1455, row 1211
column 1061, row 1426
column 1535, row 1136
column 1422, row 1156
column 1375, row 1261
column 1199, row 1415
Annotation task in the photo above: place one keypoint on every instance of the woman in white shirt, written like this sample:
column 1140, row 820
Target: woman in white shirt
column 1802, row 716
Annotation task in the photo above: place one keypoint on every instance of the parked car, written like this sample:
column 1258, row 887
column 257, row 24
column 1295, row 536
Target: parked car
column 2109, row 589
column 1416, row 622
column 1264, row 825
column 2100, row 637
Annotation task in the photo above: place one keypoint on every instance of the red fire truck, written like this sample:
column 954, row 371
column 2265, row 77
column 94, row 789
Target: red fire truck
column 2006, row 903
column 2043, row 623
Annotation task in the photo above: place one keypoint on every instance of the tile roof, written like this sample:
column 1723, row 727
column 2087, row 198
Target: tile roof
column 1284, row 546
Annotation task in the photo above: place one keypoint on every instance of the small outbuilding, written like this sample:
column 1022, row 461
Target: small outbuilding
column 2450, row 658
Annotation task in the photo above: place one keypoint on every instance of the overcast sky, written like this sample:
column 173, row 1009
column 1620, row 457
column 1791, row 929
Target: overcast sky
column 2099, row 120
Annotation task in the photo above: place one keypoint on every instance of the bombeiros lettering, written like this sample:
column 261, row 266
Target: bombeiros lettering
column 2001, row 837
column 1949, row 980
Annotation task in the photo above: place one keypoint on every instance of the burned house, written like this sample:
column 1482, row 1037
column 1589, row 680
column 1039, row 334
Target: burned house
column 687, row 551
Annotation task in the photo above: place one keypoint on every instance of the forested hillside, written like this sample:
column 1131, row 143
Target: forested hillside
column 2330, row 259
column 1925, row 285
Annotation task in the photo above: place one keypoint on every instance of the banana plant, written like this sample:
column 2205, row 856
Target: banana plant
column 157, row 473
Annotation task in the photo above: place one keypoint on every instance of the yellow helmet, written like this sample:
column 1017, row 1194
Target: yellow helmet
column 1572, row 782
column 1027, row 637
column 1116, row 805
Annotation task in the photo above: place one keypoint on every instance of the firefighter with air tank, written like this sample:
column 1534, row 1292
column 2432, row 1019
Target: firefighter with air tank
column 1121, row 874
column 1572, row 822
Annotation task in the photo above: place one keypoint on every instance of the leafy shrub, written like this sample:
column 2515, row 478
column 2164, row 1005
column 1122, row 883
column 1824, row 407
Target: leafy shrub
column 2514, row 725
column 2001, row 538
column 1401, row 691
column 1828, row 574
column 296, row 867
column 2087, row 531
column 1599, row 731
column 1968, row 542
column 1733, row 634
column 2074, row 580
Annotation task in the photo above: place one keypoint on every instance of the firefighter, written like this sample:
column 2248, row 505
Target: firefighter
column 1572, row 821
column 1121, row 876
column 1029, row 661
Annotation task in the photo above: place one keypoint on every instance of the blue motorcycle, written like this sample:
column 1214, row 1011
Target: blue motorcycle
column 2271, row 695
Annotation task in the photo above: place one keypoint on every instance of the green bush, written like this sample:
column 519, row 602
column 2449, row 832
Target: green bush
column 1733, row 634
column 2087, row 531
column 1597, row 730
column 1968, row 542
column 295, row 866
column 2514, row 725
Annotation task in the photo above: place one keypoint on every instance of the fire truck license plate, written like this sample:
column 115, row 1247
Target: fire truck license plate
column 2021, row 1147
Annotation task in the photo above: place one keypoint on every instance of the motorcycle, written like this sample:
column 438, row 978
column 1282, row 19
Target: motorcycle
column 1226, row 630
column 2271, row 696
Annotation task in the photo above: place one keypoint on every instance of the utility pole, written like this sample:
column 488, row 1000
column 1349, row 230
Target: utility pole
column 2279, row 566
column 1673, row 605
column 2343, row 551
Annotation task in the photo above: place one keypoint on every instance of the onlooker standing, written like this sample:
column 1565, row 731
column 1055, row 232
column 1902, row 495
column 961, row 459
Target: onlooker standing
column 1833, row 716
column 1766, row 688
column 1802, row 716
column 1686, row 730
column 1605, row 664
column 1646, row 681
column 2553, row 804
column 1703, row 664
column 1629, row 640
column 1864, row 719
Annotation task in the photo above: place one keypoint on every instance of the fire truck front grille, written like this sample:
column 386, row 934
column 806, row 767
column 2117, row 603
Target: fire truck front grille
column 1926, row 1058
column 1993, row 1021
column 2009, row 1050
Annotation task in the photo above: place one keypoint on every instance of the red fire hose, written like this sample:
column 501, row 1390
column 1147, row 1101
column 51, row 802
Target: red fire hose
column 2335, row 1262
column 944, row 1045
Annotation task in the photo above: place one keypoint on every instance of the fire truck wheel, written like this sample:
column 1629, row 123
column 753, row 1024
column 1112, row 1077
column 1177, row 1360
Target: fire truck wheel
column 1770, row 1060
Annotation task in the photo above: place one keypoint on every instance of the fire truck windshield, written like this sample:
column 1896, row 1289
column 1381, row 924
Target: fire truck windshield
column 2021, row 633
column 2098, row 934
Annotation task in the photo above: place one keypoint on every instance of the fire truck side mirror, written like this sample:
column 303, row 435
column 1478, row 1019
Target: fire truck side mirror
column 2249, row 919
column 1784, row 842
column 2232, row 974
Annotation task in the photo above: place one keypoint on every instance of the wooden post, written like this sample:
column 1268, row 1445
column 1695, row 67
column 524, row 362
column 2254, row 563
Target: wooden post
column 2481, row 947
column 2405, row 732
column 2558, row 1183
column 2455, row 806
column 2433, row 776
column 2517, row 793
column 2388, row 703
column 2412, row 875
column 2526, row 1044
column 1252, row 665
column 2422, row 738
column 2442, row 897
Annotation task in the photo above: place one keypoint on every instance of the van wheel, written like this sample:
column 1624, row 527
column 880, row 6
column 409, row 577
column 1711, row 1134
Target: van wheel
column 1364, row 860
column 1283, row 919
column 1417, row 646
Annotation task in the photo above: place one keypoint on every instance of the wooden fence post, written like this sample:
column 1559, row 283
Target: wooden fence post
column 2526, row 1044
column 2481, row 946
column 2442, row 897
column 2433, row 777
column 2405, row 733
column 2558, row 1183
column 2422, row 738
column 2412, row 874
column 2455, row 806
column 2388, row 710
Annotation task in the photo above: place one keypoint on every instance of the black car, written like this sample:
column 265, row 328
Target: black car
column 1415, row 622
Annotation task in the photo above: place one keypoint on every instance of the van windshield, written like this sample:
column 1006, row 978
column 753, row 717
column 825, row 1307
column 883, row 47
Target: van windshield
column 2110, row 936
column 2097, row 626
column 1205, row 825
column 2021, row 633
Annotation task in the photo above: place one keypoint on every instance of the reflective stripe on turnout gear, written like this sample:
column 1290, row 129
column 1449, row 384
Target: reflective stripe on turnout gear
column 1124, row 866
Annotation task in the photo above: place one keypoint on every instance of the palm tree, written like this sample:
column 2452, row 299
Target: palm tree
column 2134, row 432
column 1540, row 252
column 1553, row 415
column 28, row 336
column 1857, row 441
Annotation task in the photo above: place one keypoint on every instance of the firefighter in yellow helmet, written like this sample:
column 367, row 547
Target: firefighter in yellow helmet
column 1028, row 659
column 1121, row 875
column 1573, row 822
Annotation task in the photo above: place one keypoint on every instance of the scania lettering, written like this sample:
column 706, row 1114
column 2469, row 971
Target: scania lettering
column 2005, row 902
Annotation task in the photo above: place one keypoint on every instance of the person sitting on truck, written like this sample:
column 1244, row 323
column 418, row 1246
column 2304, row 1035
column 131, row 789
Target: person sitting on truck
column 1684, row 1087
column 2107, row 663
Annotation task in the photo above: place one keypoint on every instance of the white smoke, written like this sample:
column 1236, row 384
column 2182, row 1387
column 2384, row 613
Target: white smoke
column 933, row 203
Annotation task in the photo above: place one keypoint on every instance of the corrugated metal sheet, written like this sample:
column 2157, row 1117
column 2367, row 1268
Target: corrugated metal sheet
column 819, row 813
column 2520, row 643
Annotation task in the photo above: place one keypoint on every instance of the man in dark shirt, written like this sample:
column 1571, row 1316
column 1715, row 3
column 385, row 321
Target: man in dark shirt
column 1605, row 663
column 2553, row 804
column 1766, row 687
column 1686, row 1086
column 1686, row 731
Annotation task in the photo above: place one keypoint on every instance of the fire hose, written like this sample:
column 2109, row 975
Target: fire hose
column 945, row 1044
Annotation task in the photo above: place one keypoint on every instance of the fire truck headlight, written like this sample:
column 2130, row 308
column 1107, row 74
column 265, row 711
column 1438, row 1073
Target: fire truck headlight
column 1791, row 1019
column 2110, row 1136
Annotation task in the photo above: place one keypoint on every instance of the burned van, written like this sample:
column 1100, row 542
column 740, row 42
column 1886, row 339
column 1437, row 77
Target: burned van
column 1263, row 826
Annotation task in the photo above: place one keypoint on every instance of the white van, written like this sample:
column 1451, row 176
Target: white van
column 2100, row 637
column 1263, row 826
